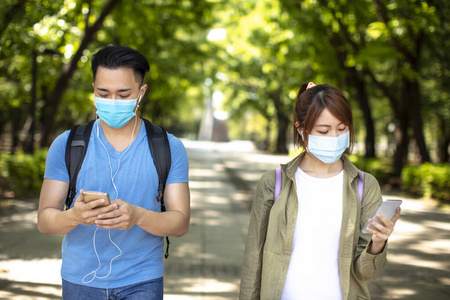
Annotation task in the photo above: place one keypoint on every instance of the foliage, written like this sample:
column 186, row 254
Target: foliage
column 269, row 49
column 171, row 34
column 23, row 173
column 261, row 68
column 381, row 169
column 427, row 180
column 396, row 49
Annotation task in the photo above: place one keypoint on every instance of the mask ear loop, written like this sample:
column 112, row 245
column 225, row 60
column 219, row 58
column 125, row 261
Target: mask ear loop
column 139, row 98
column 297, row 125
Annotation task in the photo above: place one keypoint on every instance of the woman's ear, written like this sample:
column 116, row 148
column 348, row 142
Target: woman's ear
column 299, row 129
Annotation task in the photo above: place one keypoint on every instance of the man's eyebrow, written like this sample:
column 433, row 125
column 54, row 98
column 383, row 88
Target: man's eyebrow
column 102, row 89
column 119, row 91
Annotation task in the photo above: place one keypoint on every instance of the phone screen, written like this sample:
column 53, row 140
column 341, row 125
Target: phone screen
column 387, row 209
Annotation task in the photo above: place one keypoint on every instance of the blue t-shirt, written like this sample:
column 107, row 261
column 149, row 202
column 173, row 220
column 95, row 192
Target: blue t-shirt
column 137, row 183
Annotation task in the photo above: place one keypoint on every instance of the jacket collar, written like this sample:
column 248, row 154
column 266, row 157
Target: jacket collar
column 291, row 167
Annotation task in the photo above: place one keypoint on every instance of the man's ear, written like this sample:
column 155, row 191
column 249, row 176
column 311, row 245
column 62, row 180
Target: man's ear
column 144, row 89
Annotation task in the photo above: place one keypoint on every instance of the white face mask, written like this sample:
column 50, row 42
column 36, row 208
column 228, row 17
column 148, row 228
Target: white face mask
column 328, row 149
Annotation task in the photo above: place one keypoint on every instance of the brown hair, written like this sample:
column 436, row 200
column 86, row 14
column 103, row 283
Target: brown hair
column 311, row 102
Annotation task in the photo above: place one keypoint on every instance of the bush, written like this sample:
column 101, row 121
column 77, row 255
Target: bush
column 379, row 168
column 427, row 180
column 23, row 173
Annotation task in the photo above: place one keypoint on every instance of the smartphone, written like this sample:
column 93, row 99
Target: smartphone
column 387, row 209
column 90, row 196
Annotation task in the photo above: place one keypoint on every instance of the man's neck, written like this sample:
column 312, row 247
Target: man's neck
column 120, row 138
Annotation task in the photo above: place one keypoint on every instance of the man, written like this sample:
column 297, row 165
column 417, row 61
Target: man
column 115, row 250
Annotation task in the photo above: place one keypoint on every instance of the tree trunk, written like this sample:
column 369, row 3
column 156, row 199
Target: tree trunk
column 49, row 112
column 16, row 127
column 266, row 141
column 368, row 121
column 13, row 12
column 443, row 140
column 412, row 102
column 358, row 82
column 283, row 124
column 443, row 149
column 402, row 143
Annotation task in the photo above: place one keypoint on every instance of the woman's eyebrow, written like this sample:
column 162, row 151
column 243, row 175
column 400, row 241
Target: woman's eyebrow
column 326, row 125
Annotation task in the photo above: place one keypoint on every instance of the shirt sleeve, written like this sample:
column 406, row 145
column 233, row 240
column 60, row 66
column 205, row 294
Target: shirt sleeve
column 179, row 169
column 55, row 164
column 251, row 274
column 368, row 266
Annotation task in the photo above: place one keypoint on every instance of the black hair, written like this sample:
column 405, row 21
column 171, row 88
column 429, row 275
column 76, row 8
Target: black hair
column 114, row 57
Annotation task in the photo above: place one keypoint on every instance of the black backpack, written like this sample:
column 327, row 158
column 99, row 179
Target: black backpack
column 76, row 149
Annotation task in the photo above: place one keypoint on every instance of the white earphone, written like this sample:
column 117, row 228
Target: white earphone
column 94, row 273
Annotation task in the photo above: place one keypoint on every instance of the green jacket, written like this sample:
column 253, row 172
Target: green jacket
column 271, row 231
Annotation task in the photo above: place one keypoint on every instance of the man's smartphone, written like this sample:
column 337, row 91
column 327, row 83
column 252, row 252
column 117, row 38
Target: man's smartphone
column 386, row 209
column 90, row 196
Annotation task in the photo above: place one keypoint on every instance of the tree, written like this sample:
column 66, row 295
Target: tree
column 378, row 45
column 171, row 35
column 51, row 108
column 260, row 59
column 17, row 43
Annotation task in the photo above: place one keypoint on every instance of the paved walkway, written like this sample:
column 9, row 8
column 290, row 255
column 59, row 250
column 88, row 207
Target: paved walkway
column 205, row 263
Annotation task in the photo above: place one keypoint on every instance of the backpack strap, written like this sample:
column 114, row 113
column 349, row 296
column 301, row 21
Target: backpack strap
column 160, row 149
column 360, row 186
column 76, row 149
column 277, row 184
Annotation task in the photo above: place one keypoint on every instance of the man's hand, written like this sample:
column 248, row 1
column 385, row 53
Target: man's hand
column 87, row 213
column 123, row 216
column 173, row 222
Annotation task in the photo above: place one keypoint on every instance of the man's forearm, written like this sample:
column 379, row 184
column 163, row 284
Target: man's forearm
column 54, row 221
column 169, row 223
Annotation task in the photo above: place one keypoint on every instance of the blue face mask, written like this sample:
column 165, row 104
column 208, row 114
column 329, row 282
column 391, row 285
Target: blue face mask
column 115, row 113
column 328, row 149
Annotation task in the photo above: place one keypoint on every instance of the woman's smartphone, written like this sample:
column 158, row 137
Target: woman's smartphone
column 90, row 196
column 386, row 209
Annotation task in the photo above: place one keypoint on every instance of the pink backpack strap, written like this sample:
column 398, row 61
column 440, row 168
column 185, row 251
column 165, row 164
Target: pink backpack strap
column 277, row 183
column 360, row 186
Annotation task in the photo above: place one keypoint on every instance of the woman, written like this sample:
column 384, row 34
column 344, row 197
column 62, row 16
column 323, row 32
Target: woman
column 308, row 243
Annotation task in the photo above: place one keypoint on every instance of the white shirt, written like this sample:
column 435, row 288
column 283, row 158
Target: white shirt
column 313, row 272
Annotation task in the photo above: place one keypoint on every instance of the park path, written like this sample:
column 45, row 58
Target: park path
column 206, row 262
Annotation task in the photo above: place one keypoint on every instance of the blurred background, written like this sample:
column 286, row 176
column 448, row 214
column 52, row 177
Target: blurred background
column 231, row 70
column 226, row 73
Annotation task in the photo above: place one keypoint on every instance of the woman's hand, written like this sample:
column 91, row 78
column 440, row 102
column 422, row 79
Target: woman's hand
column 385, row 230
